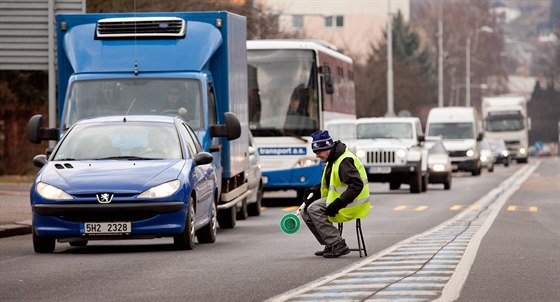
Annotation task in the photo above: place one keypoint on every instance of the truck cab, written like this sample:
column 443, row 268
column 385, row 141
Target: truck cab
column 189, row 64
column 390, row 149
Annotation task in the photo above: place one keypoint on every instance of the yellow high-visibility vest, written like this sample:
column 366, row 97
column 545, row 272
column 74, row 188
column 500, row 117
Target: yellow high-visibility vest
column 360, row 206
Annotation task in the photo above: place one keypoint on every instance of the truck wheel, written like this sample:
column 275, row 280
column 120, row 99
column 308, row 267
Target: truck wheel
column 394, row 185
column 242, row 212
column 185, row 240
column 207, row 234
column 415, row 181
column 255, row 208
column 42, row 244
column 227, row 217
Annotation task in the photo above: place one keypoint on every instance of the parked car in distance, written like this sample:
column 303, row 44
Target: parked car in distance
column 500, row 151
column 124, row 178
column 486, row 156
column 439, row 162
column 254, row 179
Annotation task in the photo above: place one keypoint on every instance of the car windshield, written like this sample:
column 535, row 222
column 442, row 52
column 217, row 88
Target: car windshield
column 342, row 131
column 384, row 130
column 452, row 130
column 124, row 141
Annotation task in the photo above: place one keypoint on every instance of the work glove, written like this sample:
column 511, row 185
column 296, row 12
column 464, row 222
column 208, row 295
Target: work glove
column 309, row 200
column 333, row 208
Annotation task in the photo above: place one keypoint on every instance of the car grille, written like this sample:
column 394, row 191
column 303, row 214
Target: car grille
column 458, row 153
column 380, row 157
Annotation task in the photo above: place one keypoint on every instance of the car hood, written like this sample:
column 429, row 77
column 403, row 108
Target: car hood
column 382, row 143
column 459, row 145
column 116, row 176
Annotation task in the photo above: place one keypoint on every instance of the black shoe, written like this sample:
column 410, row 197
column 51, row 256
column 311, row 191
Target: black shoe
column 321, row 253
column 337, row 250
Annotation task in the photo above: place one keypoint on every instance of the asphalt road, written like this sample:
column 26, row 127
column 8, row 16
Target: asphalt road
column 256, row 261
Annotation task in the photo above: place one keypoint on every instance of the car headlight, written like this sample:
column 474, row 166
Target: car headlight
column 400, row 153
column 438, row 167
column 470, row 153
column 522, row 150
column 307, row 162
column 483, row 158
column 361, row 153
column 505, row 153
column 51, row 192
column 160, row 191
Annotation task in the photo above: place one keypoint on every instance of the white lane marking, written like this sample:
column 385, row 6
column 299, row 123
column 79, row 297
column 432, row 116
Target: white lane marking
column 452, row 290
column 465, row 224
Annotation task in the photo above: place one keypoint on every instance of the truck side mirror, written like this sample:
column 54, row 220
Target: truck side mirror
column 327, row 79
column 231, row 129
column 36, row 133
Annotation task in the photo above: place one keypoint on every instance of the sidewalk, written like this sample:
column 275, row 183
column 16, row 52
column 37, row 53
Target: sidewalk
column 15, row 211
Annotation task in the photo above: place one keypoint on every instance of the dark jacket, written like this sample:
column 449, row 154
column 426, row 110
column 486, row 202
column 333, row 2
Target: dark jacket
column 347, row 172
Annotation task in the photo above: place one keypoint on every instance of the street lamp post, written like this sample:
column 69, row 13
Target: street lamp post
column 390, row 101
column 485, row 29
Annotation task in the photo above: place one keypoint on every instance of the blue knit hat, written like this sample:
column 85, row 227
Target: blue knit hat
column 321, row 141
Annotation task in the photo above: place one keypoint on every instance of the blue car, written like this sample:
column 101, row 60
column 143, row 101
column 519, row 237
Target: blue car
column 131, row 177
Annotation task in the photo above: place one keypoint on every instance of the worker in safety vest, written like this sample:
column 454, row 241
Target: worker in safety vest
column 342, row 196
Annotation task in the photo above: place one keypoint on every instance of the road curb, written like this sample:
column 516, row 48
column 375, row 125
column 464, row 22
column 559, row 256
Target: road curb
column 16, row 228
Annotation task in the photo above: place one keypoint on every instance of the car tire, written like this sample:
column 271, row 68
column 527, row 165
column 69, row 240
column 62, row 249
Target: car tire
column 185, row 240
column 394, row 185
column 43, row 244
column 491, row 168
column 415, row 181
column 447, row 183
column 242, row 212
column 255, row 208
column 227, row 217
column 477, row 170
column 78, row 243
column 208, row 233
column 425, row 182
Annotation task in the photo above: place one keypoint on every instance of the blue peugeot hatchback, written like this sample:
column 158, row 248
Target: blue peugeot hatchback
column 125, row 178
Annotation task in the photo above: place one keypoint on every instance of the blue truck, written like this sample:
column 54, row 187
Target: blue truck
column 190, row 64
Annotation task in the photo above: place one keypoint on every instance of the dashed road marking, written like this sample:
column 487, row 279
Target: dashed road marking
column 514, row 208
column 456, row 207
column 400, row 208
column 421, row 208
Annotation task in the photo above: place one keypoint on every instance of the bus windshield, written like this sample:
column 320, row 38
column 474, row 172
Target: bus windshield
column 283, row 97
column 123, row 96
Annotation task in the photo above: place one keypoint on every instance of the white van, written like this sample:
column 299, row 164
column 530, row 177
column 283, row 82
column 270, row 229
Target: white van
column 460, row 129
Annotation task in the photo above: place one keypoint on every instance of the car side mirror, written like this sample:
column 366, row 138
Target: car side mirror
column 203, row 158
column 480, row 137
column 421, row 138
column 40, row 160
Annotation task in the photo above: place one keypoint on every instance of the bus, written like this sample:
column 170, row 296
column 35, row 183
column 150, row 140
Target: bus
column 295, row 88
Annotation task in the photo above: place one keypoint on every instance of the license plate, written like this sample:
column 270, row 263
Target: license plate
column 379, row 170
column 265, row 180
column 107, row 228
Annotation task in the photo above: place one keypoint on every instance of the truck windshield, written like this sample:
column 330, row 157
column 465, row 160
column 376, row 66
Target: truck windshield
column 90, row 98
column 384, row 130
column 502, row 123
column 452, row 130
column 283, row 97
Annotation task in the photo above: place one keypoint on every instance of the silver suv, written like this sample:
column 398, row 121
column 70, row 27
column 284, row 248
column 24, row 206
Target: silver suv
column 391, row 150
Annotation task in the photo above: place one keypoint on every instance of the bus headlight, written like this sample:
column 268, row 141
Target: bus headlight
column 400, row 153
column 307, row 162
column 470, row 153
